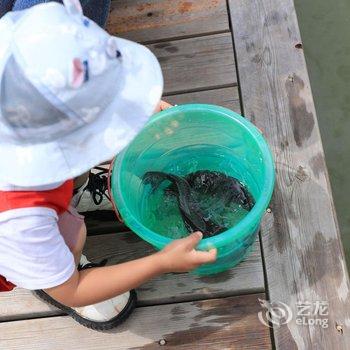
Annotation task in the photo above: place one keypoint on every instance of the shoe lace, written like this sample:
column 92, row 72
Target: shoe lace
column 97, row 185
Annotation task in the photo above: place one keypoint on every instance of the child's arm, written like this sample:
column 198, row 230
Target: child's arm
column 97, row 284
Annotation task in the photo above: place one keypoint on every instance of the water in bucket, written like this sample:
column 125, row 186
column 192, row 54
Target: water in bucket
column 206, row 201
column 186, row 139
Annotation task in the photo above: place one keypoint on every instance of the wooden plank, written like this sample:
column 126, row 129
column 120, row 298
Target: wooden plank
column 230, row 323
column 245, row 278
column 106, row 222
column 301, row 243
column 197, row 63
column 226, row 97
column 166, row 19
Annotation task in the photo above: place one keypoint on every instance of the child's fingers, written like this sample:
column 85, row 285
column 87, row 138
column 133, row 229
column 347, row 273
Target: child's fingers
column 192, row 240
column 164, row 105
column 206, row 257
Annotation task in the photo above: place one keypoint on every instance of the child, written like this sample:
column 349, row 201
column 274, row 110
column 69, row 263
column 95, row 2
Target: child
column 71, row 97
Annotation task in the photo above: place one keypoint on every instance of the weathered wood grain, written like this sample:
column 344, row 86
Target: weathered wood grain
column 229, row 323
column 197, row 63
column 301, row 243
column 166, row 19
column 226, row 97
column 106, row 222
column 245, row 278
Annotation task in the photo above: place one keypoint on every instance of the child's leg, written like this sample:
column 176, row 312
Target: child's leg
column 81, row 180
column 102, row 315
column 77, row 250
column 73, row 230
column 97, row 10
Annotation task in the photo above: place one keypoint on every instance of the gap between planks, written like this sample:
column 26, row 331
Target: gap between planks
column 184, row 37
column 201, row 89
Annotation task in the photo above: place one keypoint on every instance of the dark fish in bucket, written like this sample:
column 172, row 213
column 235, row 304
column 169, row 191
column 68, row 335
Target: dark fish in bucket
column 185, row 189
column 191, row 213
column 227, row 188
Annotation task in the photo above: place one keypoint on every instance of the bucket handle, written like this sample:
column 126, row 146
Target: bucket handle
column 116, row 211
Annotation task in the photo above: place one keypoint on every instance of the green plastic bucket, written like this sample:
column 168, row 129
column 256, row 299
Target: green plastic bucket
column 185, row 139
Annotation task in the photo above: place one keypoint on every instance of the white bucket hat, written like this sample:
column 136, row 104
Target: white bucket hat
column 71, row 95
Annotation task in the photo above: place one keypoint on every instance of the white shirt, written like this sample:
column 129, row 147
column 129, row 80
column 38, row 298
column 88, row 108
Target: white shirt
column 33, row 253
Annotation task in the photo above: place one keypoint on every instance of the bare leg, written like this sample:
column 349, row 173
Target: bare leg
column 78, row 248
column 80, row 180
column 73, row 231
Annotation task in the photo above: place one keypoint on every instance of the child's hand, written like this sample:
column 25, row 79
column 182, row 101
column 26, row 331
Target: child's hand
column 181, row 256
column 162, row 106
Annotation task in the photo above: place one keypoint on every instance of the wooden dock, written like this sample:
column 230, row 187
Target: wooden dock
column 246, row 55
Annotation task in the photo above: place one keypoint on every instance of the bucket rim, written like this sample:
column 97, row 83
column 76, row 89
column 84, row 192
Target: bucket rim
column 242, row 228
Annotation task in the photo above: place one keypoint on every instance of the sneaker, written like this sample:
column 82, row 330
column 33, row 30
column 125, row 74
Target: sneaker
column 101, row 316
column 84, row 263
column 93, row 195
